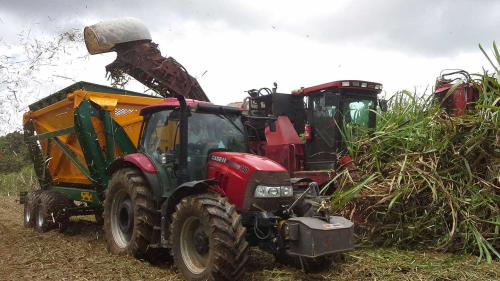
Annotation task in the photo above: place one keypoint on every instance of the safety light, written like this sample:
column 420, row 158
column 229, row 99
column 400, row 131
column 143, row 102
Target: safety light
column 345, row 84
column 364, row 85
column 371, row 86
column 377, row 87
column 355, row 83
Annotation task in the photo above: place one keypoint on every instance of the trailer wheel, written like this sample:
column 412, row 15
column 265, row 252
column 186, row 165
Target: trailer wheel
column 49, row 211
column 129, row 212
column 29, row 212
column 207, row 238
column 304, row 263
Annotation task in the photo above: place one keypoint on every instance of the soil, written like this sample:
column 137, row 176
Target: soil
column 80, row 254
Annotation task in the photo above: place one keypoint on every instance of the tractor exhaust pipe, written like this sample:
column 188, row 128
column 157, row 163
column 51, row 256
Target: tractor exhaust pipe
column 105, row 36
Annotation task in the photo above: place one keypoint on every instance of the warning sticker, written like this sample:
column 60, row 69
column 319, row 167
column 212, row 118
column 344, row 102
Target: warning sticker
column 333, row 225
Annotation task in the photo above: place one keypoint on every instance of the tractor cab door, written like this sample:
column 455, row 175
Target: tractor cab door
column 159, row 142
column 323, row 116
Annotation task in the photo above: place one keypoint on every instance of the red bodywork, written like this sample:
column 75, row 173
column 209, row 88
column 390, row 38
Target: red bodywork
column 370, row 86
column 462, row 98
column 234, row 169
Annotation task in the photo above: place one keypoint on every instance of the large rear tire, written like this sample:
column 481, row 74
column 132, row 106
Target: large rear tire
column 129, row 213
column 29, row 210
column 49, row 211
column 207, row 238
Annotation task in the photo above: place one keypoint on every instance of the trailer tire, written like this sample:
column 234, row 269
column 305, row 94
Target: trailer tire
column 29, row 210
column 129, row 213
column 208, row 239
column 49, row 211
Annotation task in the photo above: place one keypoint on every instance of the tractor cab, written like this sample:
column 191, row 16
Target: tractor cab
column 210, row 129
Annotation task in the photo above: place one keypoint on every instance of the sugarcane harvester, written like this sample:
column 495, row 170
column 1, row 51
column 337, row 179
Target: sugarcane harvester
column 173, row 173
column 321, row 114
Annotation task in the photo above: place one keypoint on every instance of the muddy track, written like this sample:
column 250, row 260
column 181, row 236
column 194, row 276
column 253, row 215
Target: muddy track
column 81, row 254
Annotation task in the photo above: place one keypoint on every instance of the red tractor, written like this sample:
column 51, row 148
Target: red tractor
column 193, row 186
column 319, row 113
column 463, row 96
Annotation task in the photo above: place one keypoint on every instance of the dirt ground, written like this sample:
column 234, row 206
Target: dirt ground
column 81, row 254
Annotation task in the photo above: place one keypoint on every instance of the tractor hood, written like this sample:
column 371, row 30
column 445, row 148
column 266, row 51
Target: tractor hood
column 247, row 163
column 240, row 173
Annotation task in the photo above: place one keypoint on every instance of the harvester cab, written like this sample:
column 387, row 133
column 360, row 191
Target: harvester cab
column 455, row 91
column 320, row 114
column 170, row 173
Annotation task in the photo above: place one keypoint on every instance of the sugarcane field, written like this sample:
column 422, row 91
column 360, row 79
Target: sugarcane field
column 263, row 140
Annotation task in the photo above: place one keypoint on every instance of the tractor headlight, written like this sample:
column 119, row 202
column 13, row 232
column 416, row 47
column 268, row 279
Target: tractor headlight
column 273, row 191
column 286, row 191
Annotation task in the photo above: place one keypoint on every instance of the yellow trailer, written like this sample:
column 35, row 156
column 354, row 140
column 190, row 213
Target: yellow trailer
column 70, row 134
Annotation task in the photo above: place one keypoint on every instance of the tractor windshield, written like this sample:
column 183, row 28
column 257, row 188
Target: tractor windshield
column 207, row 132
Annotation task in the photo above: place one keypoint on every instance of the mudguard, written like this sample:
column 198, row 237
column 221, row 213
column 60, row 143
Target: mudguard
column 142, row 162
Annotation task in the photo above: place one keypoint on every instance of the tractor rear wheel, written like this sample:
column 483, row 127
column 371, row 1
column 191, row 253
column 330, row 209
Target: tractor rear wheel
column 129, row 212
column 29, row 212
column 207, row 238
column 49, row 211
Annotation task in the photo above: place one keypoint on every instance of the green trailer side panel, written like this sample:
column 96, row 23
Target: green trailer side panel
column 48, row 135
column 91, row 149
column 78, row 194
column 40, row 165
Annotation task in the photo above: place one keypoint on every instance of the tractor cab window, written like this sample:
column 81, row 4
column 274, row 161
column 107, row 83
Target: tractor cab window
column 209, row 132
column 160, row 132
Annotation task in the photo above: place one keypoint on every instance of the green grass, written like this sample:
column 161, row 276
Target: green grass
column 12, row 183
column 434, row 178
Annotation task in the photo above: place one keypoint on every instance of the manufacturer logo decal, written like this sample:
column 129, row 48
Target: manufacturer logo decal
column 244, row 169
column 333, row 225
column 219, row 158
column 86, row 196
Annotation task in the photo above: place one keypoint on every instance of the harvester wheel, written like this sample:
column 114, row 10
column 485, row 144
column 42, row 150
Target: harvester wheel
column 304, row 263
column 29, row 212
column 207, row 238
column 49, row 211
column 129, row 212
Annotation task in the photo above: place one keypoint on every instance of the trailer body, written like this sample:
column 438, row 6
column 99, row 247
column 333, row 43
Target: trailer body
column 75, row 133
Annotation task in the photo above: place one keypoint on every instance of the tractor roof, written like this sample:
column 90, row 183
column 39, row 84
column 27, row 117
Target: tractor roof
column 172, row 103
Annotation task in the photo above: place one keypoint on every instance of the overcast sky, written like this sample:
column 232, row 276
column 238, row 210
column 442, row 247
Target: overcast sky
column 251, row 44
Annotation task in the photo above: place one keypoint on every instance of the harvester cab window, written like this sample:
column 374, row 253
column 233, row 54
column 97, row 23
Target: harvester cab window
column 324, row 119
column 357, row 112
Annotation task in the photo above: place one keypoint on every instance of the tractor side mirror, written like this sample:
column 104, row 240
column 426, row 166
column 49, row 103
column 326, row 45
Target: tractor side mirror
column 383, row 105
column 167, row 158
column 272, row 125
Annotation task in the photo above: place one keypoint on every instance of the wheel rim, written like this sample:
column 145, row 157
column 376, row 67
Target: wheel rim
column 122, row 218
column 27, row 215
column 195, row 245
column 39, row 216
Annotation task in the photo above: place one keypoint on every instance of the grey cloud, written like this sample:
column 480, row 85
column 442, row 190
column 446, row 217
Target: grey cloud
column 421, row 28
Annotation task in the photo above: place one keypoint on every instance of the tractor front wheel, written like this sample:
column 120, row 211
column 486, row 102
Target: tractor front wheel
column 207, row 238
column 129, row 212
